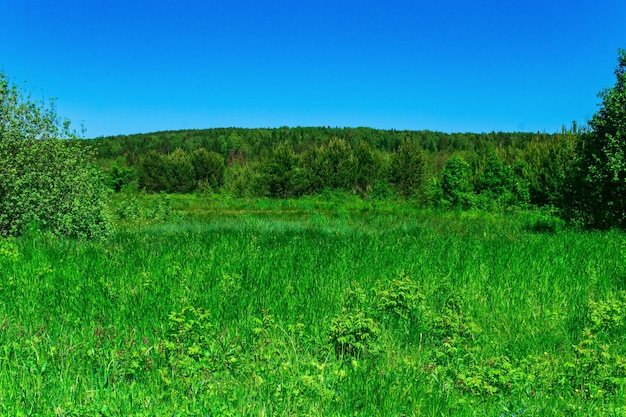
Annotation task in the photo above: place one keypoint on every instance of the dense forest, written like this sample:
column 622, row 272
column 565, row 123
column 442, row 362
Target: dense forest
column 488, row 170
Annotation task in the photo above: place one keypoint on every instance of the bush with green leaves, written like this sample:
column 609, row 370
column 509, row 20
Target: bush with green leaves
column 47, row 179
column 353, row 332
column 596, row 194
column 457, row 190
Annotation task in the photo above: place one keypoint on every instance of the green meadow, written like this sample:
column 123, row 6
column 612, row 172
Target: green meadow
column 322, row 306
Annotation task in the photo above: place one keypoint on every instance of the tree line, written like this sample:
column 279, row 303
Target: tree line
column 434, row 169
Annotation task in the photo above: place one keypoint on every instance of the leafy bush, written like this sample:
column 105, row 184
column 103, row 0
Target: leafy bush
column 596, row 194
column 401, row 297
column 208, row 167
column 46, row 182
column 455, row 182
column 352, row 333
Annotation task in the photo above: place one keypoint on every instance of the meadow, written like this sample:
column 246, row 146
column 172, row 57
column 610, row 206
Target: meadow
column 331, row 306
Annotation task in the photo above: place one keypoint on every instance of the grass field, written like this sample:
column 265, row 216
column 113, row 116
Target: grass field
column 335, row 307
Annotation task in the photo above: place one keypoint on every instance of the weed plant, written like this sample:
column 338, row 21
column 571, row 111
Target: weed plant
column 199, row 307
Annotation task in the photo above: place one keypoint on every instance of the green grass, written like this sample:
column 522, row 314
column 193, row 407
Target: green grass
column 202, row 306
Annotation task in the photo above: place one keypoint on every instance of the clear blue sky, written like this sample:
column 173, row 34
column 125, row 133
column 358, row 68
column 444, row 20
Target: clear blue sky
column 137, row 66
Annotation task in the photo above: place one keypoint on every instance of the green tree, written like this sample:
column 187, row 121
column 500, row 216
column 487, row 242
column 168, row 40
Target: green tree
column 281, row 173
column 544, row 166
column 366, row 169
column 596, row 194
column 153, row 175
column 407, row 170
column 47, row 176
column 331, row 166
column 455, row 182
column 180, row 172
column 496, row 178
column 119, row 174
column 208, row 167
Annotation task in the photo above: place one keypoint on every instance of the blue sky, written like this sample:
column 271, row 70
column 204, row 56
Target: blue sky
column 133, row 66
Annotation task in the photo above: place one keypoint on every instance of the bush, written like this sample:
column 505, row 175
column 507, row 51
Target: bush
column 46, row 182
column 596, row 194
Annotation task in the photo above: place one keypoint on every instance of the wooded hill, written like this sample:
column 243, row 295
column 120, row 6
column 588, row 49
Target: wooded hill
column 487, row 170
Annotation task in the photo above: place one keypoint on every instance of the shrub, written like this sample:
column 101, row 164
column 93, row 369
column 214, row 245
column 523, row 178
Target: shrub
column 455, row 182
column 596, row 194
column 45, row 182
column 50, row 184
column 352, row 333
column 47, row 178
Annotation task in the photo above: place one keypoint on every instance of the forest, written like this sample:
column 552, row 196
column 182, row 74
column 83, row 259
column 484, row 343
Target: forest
column 432, row 169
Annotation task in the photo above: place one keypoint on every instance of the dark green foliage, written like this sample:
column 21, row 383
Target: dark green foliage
column 45, row 182
column 208, row 167
column 407, row 170
column 175, row 173
column 242, row 180
column 364, row 161
column 153, row 173
column 597, row 185
column 499, row 185
column 331, row 166
column 281, row 174
column 544, row 167
column 120, row 174
column 496, row 178
column 180, row 173
column 367, row 168
column 455, row 182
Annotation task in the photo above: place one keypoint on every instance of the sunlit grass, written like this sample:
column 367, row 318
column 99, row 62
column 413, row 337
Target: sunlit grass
column 224, row 307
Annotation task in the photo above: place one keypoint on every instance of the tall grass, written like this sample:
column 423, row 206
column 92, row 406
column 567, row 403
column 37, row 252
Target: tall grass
column 228, row 308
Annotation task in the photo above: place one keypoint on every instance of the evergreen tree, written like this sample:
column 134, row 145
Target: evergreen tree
column 407, row 170
column 281, row 173
column 181, row 175
column 153, row 175
column 208, row 167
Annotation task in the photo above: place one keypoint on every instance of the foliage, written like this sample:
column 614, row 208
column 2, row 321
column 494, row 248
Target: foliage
column 208, row 167
column 455, row 182
column 367, row 168
column 597, row 185
column 545, row 165
column 353, row 333
column 332, row 166
column 180, row 171
column 407, row 170
column 50, row 184
column 281, row 174
column 290, row 162
column 120, row 174
column 45, row 182
column 499, row 185
column 400, row 297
